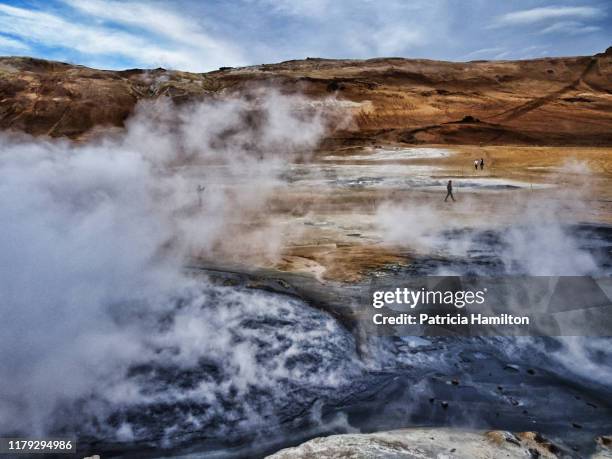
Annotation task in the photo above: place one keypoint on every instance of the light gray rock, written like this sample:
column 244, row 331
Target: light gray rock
column 604, row 447
column 425, row 443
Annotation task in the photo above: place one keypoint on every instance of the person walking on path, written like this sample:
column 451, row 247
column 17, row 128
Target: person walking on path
column 449, row 191
column 201, row 189
column 481, row 163
column 476, row 164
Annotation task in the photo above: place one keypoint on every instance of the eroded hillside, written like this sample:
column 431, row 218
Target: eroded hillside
column 551, row 101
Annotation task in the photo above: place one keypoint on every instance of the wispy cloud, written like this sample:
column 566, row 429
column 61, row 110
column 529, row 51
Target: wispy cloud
column 546, row 13
column 570, row 27
column 484, row 53
column 158, row 21
column 363, row 27
column 192, row 51
column 9, row 44
column 199, row 35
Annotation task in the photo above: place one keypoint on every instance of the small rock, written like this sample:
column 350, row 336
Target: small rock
column 535, row 454
column 510, row 438
column 605, row 441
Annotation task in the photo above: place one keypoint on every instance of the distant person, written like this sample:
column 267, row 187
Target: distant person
column 476, row 164
column 201, row 189
column 449, row 191
column 481, row 164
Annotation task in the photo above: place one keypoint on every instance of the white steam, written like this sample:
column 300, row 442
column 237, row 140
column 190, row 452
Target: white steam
column 92, row 242
column 538, row 241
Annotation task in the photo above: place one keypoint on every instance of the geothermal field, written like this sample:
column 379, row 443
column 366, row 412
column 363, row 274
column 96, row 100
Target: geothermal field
column 184, row 267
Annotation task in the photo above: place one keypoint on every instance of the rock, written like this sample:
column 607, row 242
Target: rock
column 604, row 447
column 469, row 119
column 424, row 443
column 605, row 441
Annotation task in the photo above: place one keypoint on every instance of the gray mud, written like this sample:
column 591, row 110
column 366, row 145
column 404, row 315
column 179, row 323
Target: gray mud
column 514, row 384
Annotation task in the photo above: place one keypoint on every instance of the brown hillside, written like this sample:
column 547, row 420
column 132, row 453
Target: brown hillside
column 551, row 101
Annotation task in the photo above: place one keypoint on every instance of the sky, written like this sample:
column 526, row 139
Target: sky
column 204, row 35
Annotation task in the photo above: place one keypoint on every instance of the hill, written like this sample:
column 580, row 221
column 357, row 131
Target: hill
column 549, row 101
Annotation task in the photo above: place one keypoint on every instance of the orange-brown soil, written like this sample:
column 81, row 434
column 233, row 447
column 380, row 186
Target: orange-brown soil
column 550, row 101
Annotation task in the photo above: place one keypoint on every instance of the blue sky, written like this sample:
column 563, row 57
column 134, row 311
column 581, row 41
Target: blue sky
column 204, row 35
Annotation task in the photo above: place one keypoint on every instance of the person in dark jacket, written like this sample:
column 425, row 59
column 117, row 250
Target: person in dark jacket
column 201, row 189
column 449, row 191
column 481, row 163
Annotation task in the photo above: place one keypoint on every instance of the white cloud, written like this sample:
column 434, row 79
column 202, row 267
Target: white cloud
column 9, row 44
column 545, row 13
column 48, row 29
column 570, row 27
column 361, row 28
column 502, row 55
column 155, row 20
column 484, row 53
column 312, row 9
column 395, row 39
column 199, row 36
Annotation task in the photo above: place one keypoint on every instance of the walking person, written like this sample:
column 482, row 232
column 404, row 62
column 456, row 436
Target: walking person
column 201, row 189
column 476, row 164
column 449, row 191
column 481, row 163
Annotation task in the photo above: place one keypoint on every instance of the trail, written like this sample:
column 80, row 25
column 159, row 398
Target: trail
column 538, row 102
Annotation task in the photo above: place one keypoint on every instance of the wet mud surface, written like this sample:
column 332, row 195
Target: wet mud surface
column 511, row 383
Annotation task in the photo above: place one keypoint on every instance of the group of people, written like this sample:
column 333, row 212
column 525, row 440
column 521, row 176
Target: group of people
column 449, row 185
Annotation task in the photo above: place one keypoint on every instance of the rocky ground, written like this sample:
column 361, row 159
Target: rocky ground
column 329, row 209
column 425, row 443
column 448, row 443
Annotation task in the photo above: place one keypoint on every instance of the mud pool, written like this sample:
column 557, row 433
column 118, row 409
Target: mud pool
column 314, row 374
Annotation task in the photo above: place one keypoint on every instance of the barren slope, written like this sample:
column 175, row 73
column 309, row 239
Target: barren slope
column 552, row 101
